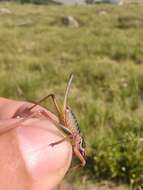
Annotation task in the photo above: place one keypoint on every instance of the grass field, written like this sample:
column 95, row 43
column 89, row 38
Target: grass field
column 38, row 53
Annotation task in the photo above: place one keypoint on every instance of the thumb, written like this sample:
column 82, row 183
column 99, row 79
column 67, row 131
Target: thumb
column 46, row 164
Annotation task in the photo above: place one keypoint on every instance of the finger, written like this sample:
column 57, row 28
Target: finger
column 27, row 154
column 43, row 166
column 8, row 107
column 13, row 174
column 46, row 165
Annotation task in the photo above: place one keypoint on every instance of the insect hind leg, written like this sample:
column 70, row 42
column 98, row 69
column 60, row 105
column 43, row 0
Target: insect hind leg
column 46, row 97
column 61, row 127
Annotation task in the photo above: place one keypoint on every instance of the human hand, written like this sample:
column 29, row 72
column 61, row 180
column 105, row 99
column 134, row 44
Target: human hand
column 27, row 161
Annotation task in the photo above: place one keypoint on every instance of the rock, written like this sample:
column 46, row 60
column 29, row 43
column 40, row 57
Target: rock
column 70, row 22
column 24, row 23
column 5, row 11
column 102, row 12
column 71, row 2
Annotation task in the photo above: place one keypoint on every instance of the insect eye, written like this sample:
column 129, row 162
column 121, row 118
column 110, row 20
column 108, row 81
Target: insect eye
column 82, row 151
column 67, row 109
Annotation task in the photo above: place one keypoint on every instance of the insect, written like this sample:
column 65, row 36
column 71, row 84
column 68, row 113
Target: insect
column 67, row 124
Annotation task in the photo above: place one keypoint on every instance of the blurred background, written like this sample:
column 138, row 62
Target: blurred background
column 101, row 42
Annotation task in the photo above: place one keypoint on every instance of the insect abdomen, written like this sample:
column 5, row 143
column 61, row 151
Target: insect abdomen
column 72, row 121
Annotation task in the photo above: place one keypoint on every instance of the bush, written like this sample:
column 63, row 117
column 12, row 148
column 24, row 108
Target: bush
column 38, row 2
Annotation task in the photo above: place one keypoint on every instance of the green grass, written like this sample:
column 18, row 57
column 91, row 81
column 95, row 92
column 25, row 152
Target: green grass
column 38, row 53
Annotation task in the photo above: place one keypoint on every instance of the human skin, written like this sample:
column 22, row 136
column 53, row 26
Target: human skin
column 27, row 161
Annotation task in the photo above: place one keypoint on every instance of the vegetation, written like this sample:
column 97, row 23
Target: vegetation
column 37, row 2
column 38, row 53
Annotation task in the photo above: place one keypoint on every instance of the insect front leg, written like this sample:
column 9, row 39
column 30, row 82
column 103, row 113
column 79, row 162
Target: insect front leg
column 60, row 141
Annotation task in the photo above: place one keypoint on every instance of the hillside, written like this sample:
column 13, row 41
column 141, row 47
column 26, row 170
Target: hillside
column 105, row 52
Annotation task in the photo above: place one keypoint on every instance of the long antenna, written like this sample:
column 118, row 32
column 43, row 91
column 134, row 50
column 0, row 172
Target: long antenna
column 67, row 91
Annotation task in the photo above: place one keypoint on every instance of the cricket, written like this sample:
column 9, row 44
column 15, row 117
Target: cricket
column 67, row 124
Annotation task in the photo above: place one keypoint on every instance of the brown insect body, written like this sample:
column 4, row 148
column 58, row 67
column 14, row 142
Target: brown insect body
column 71, row 123
column 67, row 124
column 76, row 138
